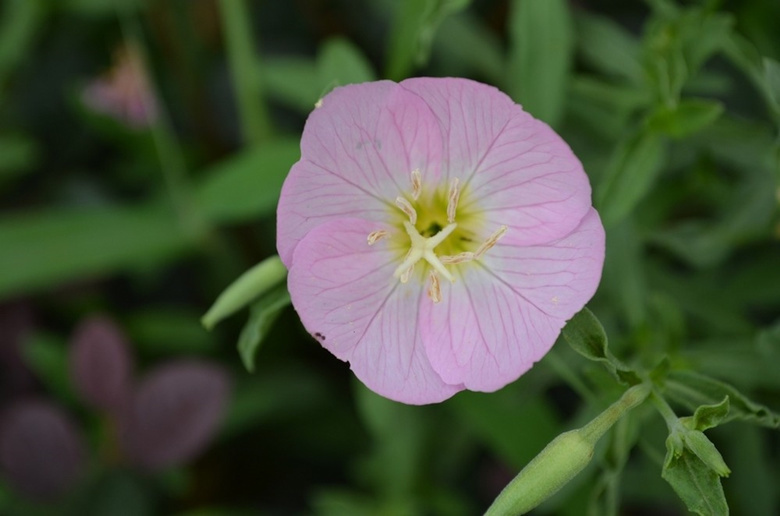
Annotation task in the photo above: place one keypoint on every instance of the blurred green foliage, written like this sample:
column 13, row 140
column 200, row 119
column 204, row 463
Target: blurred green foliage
column 673, row 108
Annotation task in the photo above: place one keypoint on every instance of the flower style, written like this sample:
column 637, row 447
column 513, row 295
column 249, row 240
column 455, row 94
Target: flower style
column 437, row 236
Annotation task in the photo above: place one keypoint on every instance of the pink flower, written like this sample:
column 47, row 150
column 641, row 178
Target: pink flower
column 124, row 91
column 437, row 236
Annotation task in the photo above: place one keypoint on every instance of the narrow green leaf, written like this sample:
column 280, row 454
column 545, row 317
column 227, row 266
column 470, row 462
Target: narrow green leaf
column 586, row 336
column 691, row 390
column 248, row 185
column 43, row 248
column 608, row 47
column 695, row 483
column 249, row 286
column 686, row 118
column 633, row 169
column 340, row 62
column 262, row 316
column 540, row 56
column 244, row 64
column 414, row 27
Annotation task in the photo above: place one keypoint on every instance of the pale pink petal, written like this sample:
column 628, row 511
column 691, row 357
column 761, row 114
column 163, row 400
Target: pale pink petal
column 513, row 168
column 503, row 314
column 358, row 151
column 347, row 298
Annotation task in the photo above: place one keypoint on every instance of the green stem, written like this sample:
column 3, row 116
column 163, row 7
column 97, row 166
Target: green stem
column 672, row 421
column 168, row 149
column 594, row 430
column 244, row 65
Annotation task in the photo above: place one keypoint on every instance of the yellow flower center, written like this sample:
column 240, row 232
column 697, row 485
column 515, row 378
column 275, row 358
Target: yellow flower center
column 437, row 234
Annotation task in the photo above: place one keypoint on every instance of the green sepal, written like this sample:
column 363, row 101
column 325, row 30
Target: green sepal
column 586, row 336
column 262, row 316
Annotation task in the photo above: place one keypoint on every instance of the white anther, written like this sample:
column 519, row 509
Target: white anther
column 376, row 236
column 490, row 242
column 407, row 208
column 452, row 202
column 434, row 290
column 416, row 183
column 458, row 258
column 318, row 104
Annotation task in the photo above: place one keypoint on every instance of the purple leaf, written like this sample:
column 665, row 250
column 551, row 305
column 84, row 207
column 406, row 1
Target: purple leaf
column 174, row 413
column 41, row 451
column 100, row 363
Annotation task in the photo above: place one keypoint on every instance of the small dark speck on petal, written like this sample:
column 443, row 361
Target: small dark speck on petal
column 319, row 336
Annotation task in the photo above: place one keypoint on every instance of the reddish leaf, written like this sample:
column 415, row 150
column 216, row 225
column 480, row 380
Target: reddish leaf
column 100, row 363
column 41, row 451
column 174, row 413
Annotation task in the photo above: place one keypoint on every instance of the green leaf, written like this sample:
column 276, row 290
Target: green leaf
column 586, row 336
column 248, row 185
column 41, row 249
column 414, row 27
column 464, row 43
column 540, row 56
column 707, row 416
column 262, row 316
column 691, row 390
column 695, row 483
column 608, row 47
column 340, row 62
column 249, row 286
column 633, row 169
column 292, row 81
column 686, row 118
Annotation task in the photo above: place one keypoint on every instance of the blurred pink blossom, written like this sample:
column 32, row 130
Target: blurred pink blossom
column 437, row 236
column 124, row 91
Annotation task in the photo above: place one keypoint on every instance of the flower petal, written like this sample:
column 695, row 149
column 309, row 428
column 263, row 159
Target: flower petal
column 358, row 151
column 514, row 169
column 505, row 313
column 347, row 298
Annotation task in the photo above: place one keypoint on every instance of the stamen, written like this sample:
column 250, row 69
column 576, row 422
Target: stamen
column 406, row 274
column 453, row 197
column 490, row 242
column 376, row 236
column 458, row 258
column 434, row 291
column 416, row 183
column 407, row 208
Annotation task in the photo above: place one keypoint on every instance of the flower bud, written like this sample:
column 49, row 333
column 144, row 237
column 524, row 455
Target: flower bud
column 556, row 464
